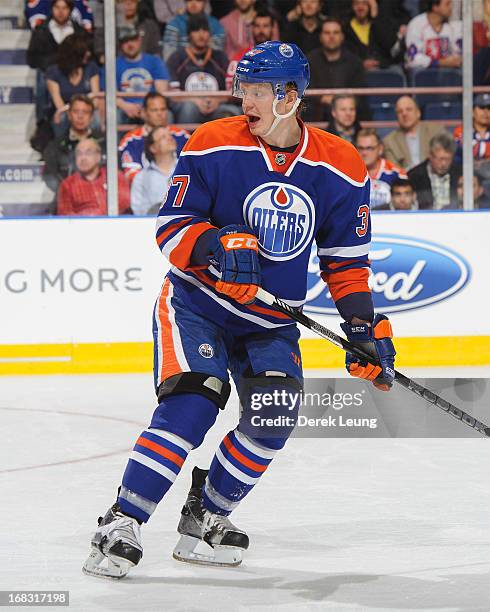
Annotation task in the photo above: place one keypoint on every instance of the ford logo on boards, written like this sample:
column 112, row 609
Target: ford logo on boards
column 406, row 273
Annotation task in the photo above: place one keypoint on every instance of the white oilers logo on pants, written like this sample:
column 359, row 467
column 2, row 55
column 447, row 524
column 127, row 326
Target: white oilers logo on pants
column 282, row 217
column 206, row 351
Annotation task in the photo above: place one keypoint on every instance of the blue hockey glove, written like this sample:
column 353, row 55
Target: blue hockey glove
column 374, row 339
column 235, row 252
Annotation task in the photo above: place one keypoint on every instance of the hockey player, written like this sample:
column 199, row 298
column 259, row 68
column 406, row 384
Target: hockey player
column 248, row 197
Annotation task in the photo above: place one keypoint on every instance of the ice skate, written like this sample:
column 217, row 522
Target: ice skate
column 207, row 538
column 116, row 546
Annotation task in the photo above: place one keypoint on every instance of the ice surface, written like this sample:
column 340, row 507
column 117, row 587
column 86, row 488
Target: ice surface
column 337, row 524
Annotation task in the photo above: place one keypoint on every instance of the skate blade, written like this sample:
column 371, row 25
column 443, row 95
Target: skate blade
column 194, row 550
column 102, row 566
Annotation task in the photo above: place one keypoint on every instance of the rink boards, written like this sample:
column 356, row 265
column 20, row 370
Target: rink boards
column 76, row 294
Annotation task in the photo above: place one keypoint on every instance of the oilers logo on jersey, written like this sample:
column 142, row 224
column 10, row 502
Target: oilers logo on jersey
column 282, row 217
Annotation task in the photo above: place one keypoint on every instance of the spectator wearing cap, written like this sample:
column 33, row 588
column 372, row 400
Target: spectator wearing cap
column 408, row 145
column 198, row 67
column 382, row 172
column 344, row 117
column 176, row 32
column 435, row 180
column 132, row 14
column 150, row 185
column 481, row 199
column 85, row 192
column 136, row 72
column 59, row 155
column 481, row 135
column 305, row 30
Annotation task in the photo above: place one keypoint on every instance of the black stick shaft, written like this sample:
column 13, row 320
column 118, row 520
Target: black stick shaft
column 400, row 378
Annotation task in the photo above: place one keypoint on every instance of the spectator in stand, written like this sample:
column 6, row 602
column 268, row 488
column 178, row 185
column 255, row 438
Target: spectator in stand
column 402, row 196
column 481, row 135
column 381, row 171
column 305, row 30
column 480, row 198
column 408, row 145
column 238, row 27
column 43, row 48
column 133, row 16
column 176, row 33
column 435, row 180
column 332, row 65
column 263, row 26
column 132, row 145
column 136, row 72
column 85, row 191
column 38, row 12
column 344, row 118
column 198, row 67
column 59, row 155
column 481, row 29
column 373, row 36
column 166, row 10
column 150, row 185
column 74, row 73
column 432, row 40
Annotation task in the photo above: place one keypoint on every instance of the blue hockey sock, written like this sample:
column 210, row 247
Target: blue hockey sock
column 237, row 466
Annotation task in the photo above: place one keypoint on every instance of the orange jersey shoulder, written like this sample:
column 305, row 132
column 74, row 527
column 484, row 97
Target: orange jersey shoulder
column 228, row 132
column 336, row 152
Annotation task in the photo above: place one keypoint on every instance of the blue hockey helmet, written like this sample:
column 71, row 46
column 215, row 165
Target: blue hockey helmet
column 276, row 63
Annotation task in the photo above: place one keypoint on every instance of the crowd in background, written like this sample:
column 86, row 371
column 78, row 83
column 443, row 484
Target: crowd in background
column 194, row 46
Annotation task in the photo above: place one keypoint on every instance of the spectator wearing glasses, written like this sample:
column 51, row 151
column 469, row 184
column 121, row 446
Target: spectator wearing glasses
column 150, row 185
column 344, row 118
column 382, row 172
column 132, row 144
column 435, row 180
column 85, row 192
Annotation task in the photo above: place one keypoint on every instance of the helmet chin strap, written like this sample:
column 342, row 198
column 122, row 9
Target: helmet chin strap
column 277, row 117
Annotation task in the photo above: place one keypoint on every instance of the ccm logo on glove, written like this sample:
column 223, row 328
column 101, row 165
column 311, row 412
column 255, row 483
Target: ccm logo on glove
column 240, row 241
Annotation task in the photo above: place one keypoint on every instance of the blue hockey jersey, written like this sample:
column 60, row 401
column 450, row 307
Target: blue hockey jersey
column 320, row 192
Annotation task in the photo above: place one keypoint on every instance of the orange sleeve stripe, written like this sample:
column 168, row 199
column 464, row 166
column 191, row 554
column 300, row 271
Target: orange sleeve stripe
column 354, row 280
column 383, row 329
column 181, row 254
column 252, row 465
column 166, row 233
column 161, row 450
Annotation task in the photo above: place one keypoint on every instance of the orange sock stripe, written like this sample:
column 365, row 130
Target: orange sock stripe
column 241, row 458
column 161, row 450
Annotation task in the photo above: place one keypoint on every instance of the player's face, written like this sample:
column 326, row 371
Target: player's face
column 199, row 39
column 87, row 156
column 60, row 12
column 402, row 198
column 80, row 116
column 360, row 9
column 309, row 8
column 131, row 48
column 369, row 149
column 481, row 115
column 257, row 106
column 331, row 37
column 407, row 113
column 440, row 160
column 163, row 142
column 156, row 112
column 344, row 112
column 261, row 29
column 194, row 6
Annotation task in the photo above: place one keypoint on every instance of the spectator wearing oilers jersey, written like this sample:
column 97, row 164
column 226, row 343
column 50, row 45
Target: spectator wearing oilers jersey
column 432, row 40
column 382, row 172
column 39, row 11
column 481, row 135
column 132, row 145
column 198, row 67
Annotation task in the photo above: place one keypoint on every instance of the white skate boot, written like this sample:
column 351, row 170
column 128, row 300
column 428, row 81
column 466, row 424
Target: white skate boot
column 207, row 538
column 116, row 546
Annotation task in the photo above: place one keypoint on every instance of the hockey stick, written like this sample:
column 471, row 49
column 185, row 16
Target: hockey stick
column 408, row 383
